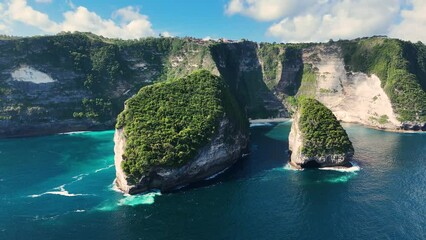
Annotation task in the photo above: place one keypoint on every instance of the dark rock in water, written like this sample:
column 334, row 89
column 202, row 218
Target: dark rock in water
column 413, row 126
column 317, row 139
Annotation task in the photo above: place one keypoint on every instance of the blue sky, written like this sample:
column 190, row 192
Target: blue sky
column 258, row 20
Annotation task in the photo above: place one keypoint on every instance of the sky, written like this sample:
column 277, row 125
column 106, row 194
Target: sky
column 257, row 20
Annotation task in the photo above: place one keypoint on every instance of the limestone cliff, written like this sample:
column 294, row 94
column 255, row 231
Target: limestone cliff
column 79, row 81
column 213, row 158
column 352, row 96
column 178, row 132
column 317, row 139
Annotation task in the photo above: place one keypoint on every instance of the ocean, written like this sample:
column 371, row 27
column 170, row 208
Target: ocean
column 60, row 187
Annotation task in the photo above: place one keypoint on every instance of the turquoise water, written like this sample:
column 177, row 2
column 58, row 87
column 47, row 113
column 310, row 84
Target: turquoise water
column 60, row 187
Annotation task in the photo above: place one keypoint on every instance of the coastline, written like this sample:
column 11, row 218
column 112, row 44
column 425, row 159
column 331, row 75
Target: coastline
column 49, row 130
column 393, row 130
column 269, row 120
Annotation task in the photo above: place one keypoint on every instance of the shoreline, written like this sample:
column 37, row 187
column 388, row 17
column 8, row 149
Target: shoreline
column 393, row 130
column 69, row 129
column 269, row 120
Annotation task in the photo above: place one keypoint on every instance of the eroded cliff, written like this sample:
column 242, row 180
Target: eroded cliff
column 178, row 132
column 71, row 82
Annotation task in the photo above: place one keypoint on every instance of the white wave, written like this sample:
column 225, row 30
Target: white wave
column 71, row 133
column 261, row 124
column 134, row 200
column 217, row 174
column 114, row 187
column 354, row 168
column 289, row 167
column 79, row 210
column 77, row 178
column 105, row 168
column 61, row 192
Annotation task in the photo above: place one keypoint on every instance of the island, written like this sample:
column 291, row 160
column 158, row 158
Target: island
column 177, row 132
column 317, row 139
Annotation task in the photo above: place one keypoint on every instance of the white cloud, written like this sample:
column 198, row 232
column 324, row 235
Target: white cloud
column 166, row 34
column 413, row 24
column 18, row 10
column 267, row 10
column 126, row 23
column 3, row 26
column 320, row 20
column 132, row 23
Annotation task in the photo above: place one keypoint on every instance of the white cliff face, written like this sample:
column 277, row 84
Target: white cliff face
column 295, row 141
column 29, row 74
column 352, row 97
column 212, row 159
column 120, row 144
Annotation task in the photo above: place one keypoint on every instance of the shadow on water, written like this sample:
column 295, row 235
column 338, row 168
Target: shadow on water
column 268, row 150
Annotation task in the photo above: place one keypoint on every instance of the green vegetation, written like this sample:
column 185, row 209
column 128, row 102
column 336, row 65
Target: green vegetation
column 321, row 131
column 308, row 84
column 166, row 123
column 401, row 67
column 98, row 109
column 271, row 55
column 383, row 119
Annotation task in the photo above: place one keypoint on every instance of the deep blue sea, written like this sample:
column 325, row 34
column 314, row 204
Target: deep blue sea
column 60, row 187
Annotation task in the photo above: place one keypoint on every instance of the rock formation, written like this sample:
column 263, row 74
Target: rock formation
column 317, row 139
column 202, row 133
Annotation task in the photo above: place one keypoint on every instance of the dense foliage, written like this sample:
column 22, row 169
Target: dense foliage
column 308, row 83
column 166, row 123
column 321, row 131
column 271, row 55
column 399, row 65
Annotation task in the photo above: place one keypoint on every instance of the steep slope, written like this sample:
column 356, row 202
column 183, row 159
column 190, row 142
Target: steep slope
column 395, row 63
column 178, row 132
column 352, row 96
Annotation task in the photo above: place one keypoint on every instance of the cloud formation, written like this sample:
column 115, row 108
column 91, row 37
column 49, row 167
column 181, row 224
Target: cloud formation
column 321, row 20
column 413, row 24
column 126, row 23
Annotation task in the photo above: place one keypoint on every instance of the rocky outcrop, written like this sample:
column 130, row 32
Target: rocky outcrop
column 319, row 141
column 218, row 155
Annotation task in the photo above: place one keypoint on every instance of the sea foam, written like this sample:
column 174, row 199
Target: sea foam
column 134, row 200
column 61, row 192
column 354, row 168
column 105, row 168
column 72, row 133
column 261, row 124
column 129, row 200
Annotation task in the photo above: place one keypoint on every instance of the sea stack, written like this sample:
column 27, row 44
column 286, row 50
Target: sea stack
column 317, row 139
column 178, row 132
